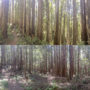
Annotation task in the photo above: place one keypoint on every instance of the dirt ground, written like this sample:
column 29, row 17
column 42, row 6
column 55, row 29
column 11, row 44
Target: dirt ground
column 41, row 82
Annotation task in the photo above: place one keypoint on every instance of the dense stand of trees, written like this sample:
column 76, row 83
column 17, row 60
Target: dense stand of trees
column 63, row 61
column 55, row 21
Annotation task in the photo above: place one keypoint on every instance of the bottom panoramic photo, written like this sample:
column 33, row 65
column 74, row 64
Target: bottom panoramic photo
column 24, row 67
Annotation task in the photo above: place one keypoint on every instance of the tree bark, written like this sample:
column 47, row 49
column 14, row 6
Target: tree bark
column 84, row 35
column 5, row 10
column 56, row 38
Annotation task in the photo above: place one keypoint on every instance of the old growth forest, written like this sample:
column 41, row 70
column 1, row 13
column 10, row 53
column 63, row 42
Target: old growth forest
column 40, row 22
column 44, row 44
column 44, row 67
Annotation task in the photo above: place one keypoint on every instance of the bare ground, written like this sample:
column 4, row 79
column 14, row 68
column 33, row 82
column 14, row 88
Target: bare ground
column 14, row 39
column 43, row 82
column 12, row 83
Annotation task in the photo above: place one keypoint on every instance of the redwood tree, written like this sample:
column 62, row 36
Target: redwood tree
column 84, row 35
column 5, row 5
column 71, row 61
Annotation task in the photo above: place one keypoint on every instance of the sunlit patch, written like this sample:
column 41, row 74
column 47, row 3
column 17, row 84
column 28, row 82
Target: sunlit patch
column 3, row 84
column 3, row 80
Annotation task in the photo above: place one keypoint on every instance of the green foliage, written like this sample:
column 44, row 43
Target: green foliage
column 39, row 89
column 9, row 38
column 28, row 40
column 0, row 75
column 3, row 85
column 67, row 89
column 1, row 37
column 54, row 87
column 85, row 82
column 74, row 87
column 81, row 43
column 28, row 88
column 54, row 81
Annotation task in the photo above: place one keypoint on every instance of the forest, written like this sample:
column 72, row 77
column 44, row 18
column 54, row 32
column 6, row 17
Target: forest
column 40, row 22
column 24, row 67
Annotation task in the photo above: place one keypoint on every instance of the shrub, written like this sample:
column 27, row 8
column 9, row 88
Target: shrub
column 29, row 40
column 28, row 88
column 1, row 37
column 54, row 87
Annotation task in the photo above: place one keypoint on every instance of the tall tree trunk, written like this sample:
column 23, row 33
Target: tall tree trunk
column 30, row 59
column 75, row 25
column 21, row 16
column 84, row 35
column 24, row 23
column 33, row 17
column 64, row 62
column 1, row 8
column 2, row 55
column 78, row 60
column 56, row 38
column 40, row 19
column 29, row 17
column 21, row 62
column 5, row 4
column 88, row 12
column 63, row 39
column 68, row 22
column 61, row 32
column 71, row 70
column 12, row 12
column 47, row 22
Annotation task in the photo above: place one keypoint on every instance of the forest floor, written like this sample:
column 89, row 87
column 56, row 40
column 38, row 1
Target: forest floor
column 9, row 81
column 14, row 39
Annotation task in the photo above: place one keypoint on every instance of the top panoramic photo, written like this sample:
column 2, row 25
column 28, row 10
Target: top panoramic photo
column 45, row 22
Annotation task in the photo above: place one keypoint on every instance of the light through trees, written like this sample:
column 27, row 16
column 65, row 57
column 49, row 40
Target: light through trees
column 46, row 21
column 62, row 61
